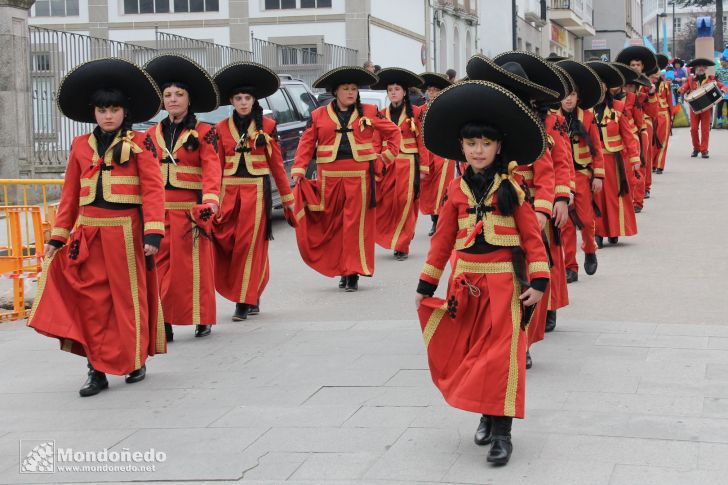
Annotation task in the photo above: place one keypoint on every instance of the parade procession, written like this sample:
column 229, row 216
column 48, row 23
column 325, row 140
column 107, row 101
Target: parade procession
column 390, row 272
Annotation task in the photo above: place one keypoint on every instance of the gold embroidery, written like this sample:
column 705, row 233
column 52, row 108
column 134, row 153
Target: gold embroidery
column 538, row 267
column 509, row 408
column 287, row 198
column 60, row 232
column 41, row 285
column 433, row 322
column 482, row 268
column 441, row 184
column 195, row 279
column 211, row 197
column 178, row 205
column 431, row 271
column 560, row 189
column 154, row 226
column 410, row 195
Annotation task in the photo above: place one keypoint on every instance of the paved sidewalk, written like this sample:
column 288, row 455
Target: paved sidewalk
column 327, row 387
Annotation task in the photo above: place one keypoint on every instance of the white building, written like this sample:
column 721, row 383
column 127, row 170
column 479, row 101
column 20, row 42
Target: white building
column 663, row 14
column 616, row 23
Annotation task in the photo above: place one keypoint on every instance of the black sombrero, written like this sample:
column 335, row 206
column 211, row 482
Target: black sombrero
column 75, row 91
column 482, row 68
column 587, row 83
column 254, row 78
column 435, row 80
column 524, row 136
column 396, row 75
column 642, row 80
column 345, row 75
column 662, row 61
column 609, row 74
column 654, row 70
column 170, row 68
column 639, row 52
column 627, row 72
column 701, row 61
column 537, row 69
column 554, row 57
column 570, row 83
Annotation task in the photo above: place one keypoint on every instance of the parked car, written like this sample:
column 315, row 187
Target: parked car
column 290, row 106
column 368, row 96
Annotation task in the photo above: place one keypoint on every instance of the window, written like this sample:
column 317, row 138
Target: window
column 302, row 99
column 146, row 6
column 279, row 4
column 281, row 108
column 56, row 8
column 196, row 5
column 678, row 25
column 284, row 4
column 41, row 62
column 298, row 55
column 315, row 3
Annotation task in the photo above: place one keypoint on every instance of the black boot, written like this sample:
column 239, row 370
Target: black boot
column 613, row 240
column 600, row 241
column 254, row 309
column 694, row 154
column 571, row 276
column 550, row 320
column 168, row 332
column 203, row 330
column 647, row 194
column 483, row 435
column 352, row 283
column 342, row 282
column 704, row 155
column 137, row 375
column 95, row 383
column 529, row 362
column 502, row 448
column 434, row 225
column 400, row 256
column 590, row 263
column 241, row 312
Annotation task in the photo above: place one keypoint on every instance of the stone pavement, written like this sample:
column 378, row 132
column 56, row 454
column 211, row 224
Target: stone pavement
column 326, row 387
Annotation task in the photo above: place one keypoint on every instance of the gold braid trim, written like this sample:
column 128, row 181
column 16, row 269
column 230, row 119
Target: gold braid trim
column 364, row 122
column 512, row 166
column 266, row 137
column 128, row 147
column 432, row 271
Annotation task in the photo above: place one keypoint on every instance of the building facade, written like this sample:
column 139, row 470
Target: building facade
column 673, row 22
column 616, row 24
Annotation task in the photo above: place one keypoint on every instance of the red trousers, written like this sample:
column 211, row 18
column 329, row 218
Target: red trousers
column 618, row 217
column 585, row 212
column 397, row 206
column 700, row 121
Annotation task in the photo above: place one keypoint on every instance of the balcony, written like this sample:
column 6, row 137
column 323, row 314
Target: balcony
column 574, row 15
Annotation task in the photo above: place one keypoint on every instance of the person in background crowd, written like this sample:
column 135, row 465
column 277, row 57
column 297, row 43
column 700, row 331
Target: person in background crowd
column 451, row 75
column 377, row 68
column 680, row 75
column 369, row 66
column 721, row 75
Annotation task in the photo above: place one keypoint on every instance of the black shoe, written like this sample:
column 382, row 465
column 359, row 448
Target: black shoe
column 613, row 240
column 550, row 320
column 705, row 155
column 400, row 256
column 571, row 276
column 432, row 229
column 95, row 383
column 342, row 282
column 659, row 171
column 637, row 210
column 647, row 194
column 254, row 309
column 529, row 362
column 137, row 375
column 203, row 330
column 352, row 283
column 168, row 332
column 241, row 312
column 483, row 435
column 501, row 450
column 590, row 263
column 600, row 241
column 694, row 154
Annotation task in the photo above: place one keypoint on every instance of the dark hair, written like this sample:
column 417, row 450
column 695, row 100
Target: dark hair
column 107, row 97
column 257, row 112
column 190, row 121
column 506, row 196
column 581, row 131
column 377, row 68
column 406, row 100
column 243, row 90
column 451, row 73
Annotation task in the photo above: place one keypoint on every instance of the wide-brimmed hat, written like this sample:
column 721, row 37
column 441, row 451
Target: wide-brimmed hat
column 253, row 78
column 662, row 61
column 640, row 52
column 171, row 68
column 586, row 82
column 524, row 136
column 75, row 91
column 609, row 74
column 344, row 75
column 511, row 76
column 554, row 57
column 396, row 75
column 701, row 61
column 537, row 69
column 570, row 83
column 627, row 72
column 642, row 80
column 435, row 79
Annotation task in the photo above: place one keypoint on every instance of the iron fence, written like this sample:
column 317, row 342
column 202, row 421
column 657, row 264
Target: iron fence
column 211, row 56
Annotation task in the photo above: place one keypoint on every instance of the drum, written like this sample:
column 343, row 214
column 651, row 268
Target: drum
column 703, row 98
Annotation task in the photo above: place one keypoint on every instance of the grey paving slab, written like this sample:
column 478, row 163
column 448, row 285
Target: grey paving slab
column 647, row 475
column 335, row 466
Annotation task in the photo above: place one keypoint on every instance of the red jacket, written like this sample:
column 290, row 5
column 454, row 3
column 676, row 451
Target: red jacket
column 555, row 125
column 259, row 160
column 540, row 179
column 194, row 170
column 582, row 155
column 411, row 141
column 692, row 84
column 617, row 135
column 136, row 180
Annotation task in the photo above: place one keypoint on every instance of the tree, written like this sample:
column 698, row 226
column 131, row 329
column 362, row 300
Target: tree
column 685, row 40
column 718, row 32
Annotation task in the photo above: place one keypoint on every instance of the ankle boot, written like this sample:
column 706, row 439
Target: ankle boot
column 529, row 362
column 342, row 282
column 590, row 263
column 168, row 332
column 352, row 283
column 600, row 241
column 254, row 309
column 137, row 375
column 550, row 320
column 502, row 448
column 483, row 435
column 95, row 383
column 434, row 225
column 613, row 240
column 241, row 312
column 571, row 276
column 203, row 330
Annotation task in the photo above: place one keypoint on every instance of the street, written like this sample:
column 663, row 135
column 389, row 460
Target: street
column 331, row 387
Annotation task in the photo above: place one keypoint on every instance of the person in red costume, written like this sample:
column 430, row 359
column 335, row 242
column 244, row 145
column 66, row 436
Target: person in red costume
column 191, row 174
column 98, row 291
column 250, row 155
column 475, row 337
column 336, row 212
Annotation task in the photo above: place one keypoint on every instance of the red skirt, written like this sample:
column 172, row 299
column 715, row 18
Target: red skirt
column 185, row 265
column 336, row 226
column 618, row 217
column 239, row 241
column 433, row 187
column 397, row 206
column 475, row 345
column 559, row 293
column 97, row 295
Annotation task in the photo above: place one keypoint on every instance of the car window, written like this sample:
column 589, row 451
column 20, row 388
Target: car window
column 281, row 108
column 214, row 117
column 302, row 99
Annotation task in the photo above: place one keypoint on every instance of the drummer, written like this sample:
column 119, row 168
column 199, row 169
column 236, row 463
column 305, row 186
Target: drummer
column 695, row 82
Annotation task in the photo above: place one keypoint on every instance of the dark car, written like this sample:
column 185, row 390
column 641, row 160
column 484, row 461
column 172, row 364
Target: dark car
column 290, row 106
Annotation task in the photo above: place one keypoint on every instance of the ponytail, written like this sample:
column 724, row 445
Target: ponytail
column 581, row 131
column 190, row 122
column 506, row 196
column 126, row 127
column 359, row 107
column 257, row 113
column 408, row 105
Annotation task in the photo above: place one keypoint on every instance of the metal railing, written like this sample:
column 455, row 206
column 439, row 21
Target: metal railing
column 211, row 56
column 582, row 8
